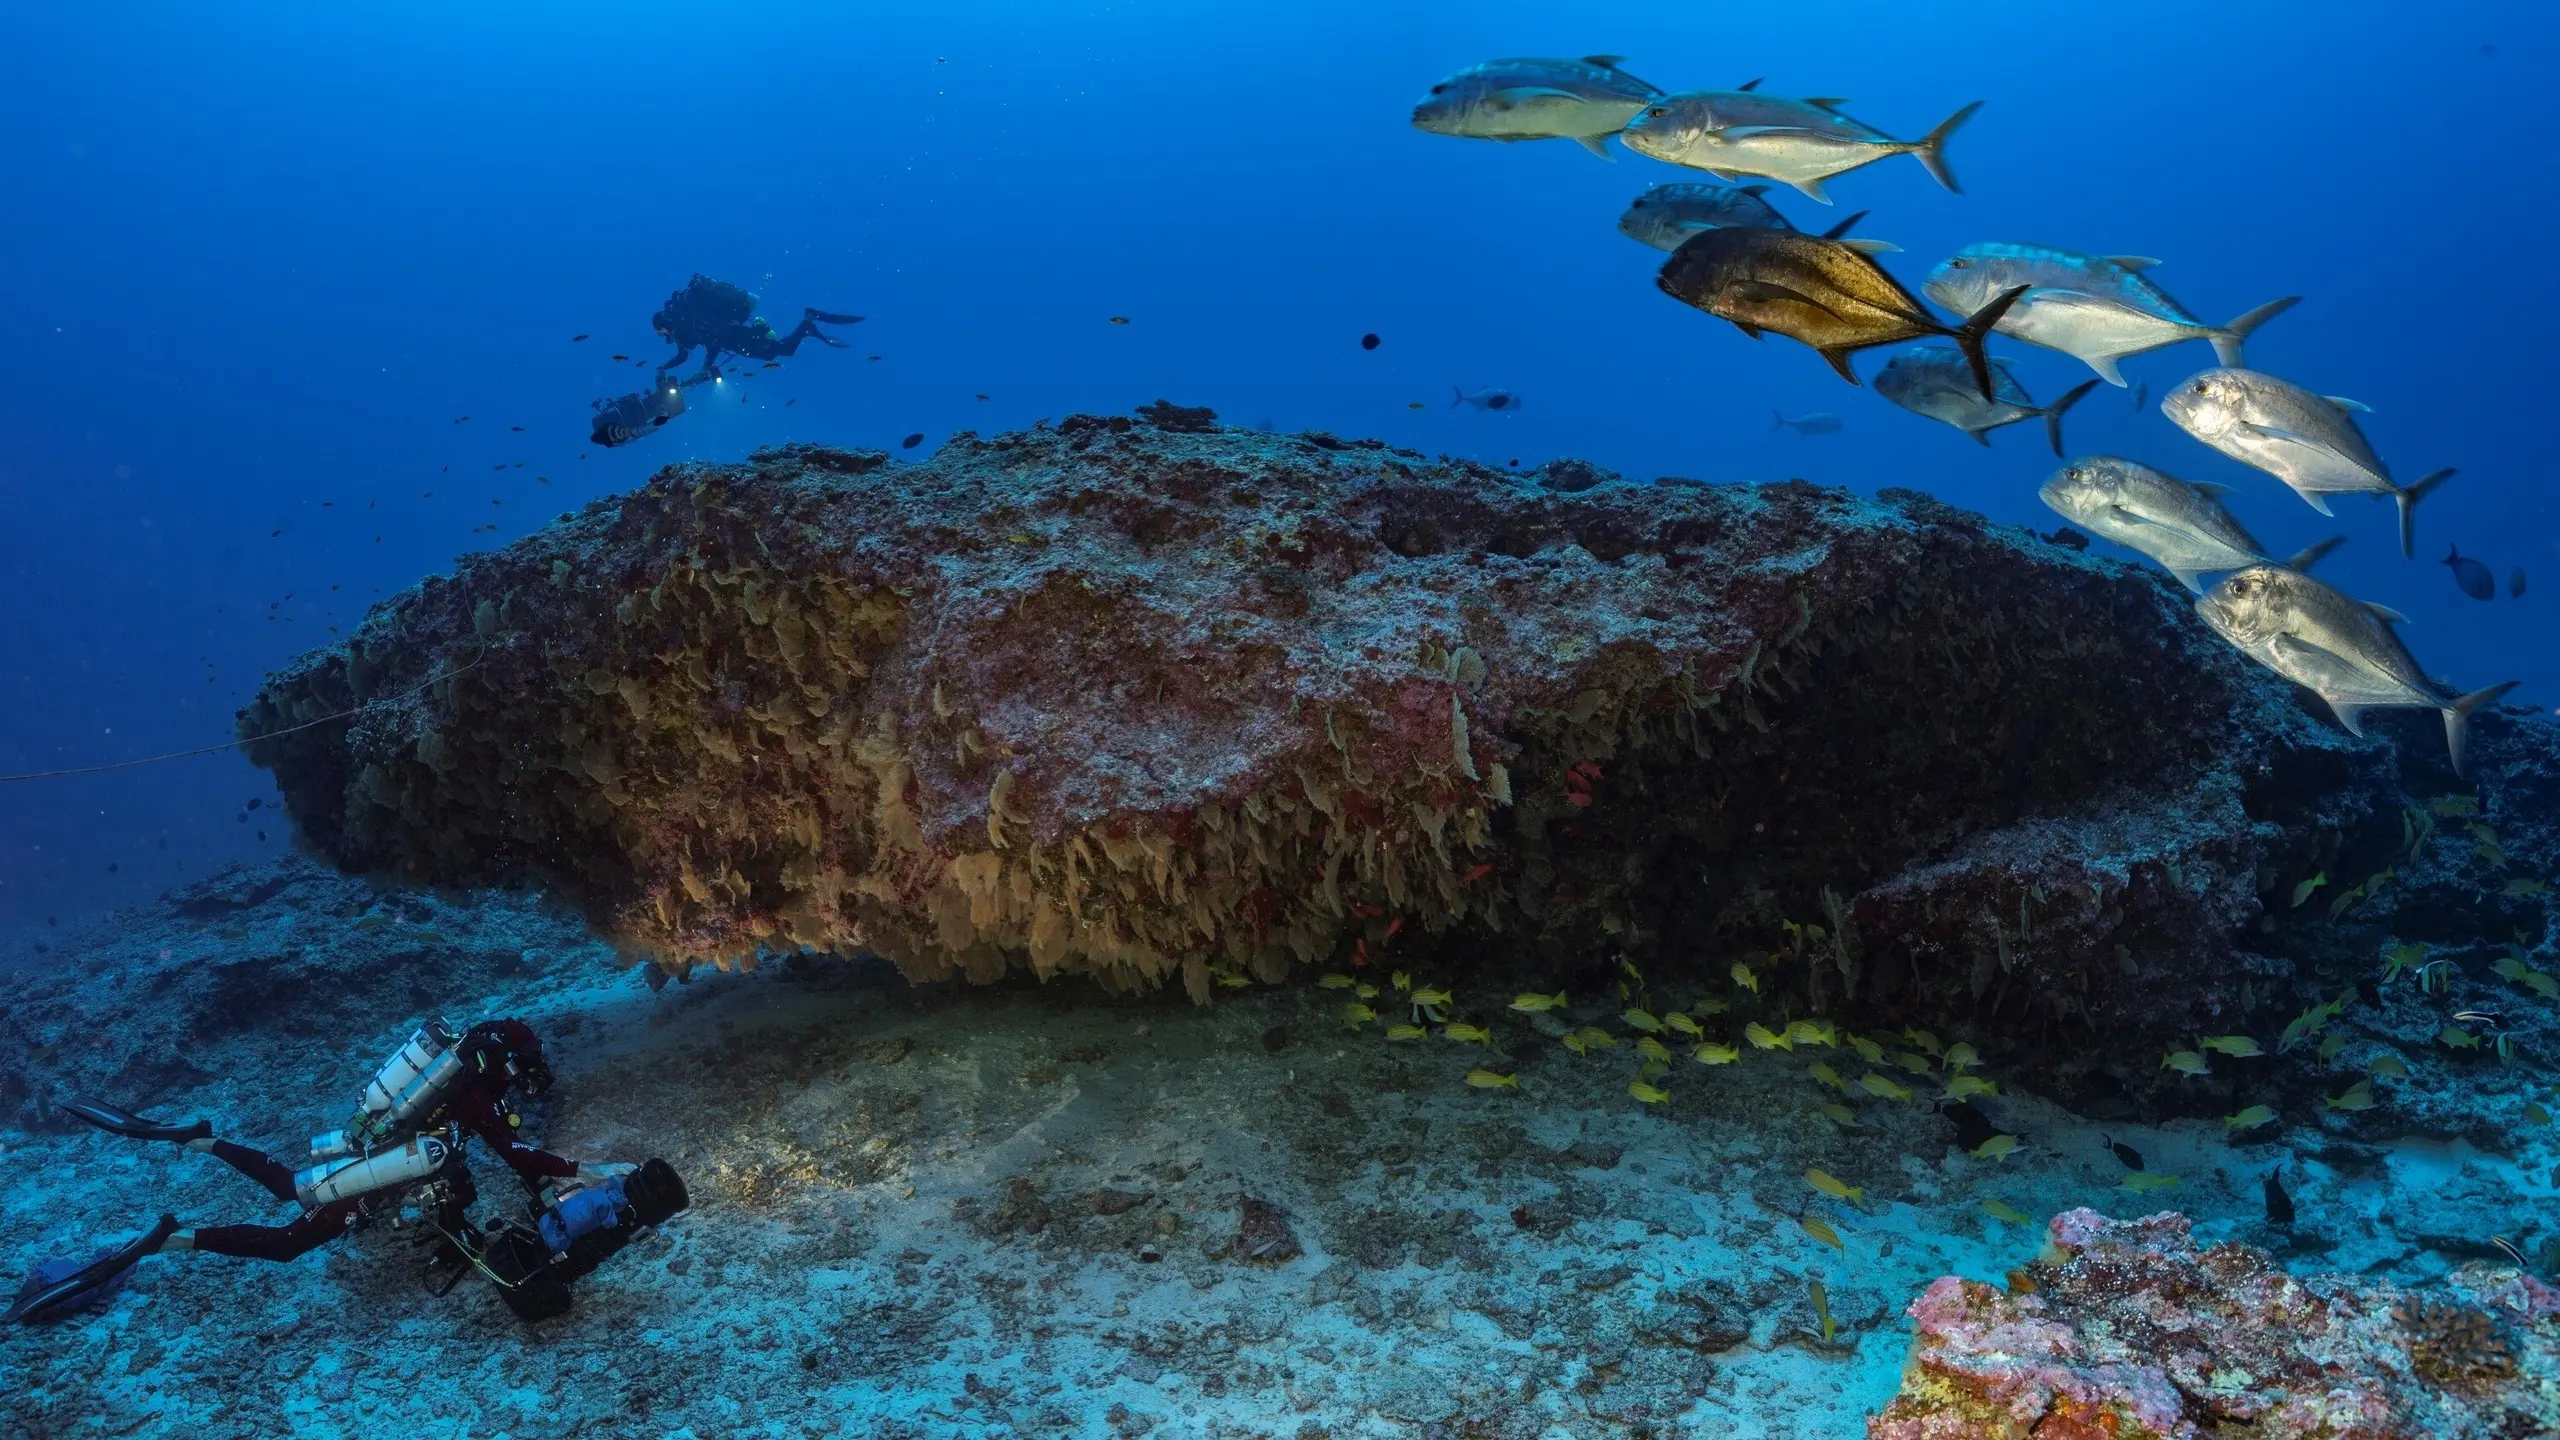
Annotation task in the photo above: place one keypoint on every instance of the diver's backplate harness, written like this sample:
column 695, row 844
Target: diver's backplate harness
column 394, row 1139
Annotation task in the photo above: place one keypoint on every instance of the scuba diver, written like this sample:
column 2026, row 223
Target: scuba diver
column 720, row 318
column 630, row 417
column 401, row 1156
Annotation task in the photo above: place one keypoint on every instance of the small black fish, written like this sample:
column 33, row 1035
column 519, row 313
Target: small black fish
column 982, row 397
column 794, row 400
column 2470, row 574
column 911, row 441
column 619, row 358
column 2502, row 1242
column 255, row 802
column 501, row 465
column 574, row 339
column 1119, row 319
column 2141, row 397
column 2131, row 1157
column 461, row 419
column 2279, row 1204
column 1369, row 342
column 2515, row 583
column 517, row 428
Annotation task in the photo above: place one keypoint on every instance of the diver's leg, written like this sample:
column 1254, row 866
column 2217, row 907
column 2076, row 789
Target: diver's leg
column 96, row 1273
column 258, row 1165
column 269, row 1242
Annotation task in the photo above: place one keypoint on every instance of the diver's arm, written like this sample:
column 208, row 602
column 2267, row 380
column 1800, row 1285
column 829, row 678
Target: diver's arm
column 531, row 1162
column 682, row 351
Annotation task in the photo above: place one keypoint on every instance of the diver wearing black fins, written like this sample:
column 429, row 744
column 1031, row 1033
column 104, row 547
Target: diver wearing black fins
column 401, row 1157
column 721, row 318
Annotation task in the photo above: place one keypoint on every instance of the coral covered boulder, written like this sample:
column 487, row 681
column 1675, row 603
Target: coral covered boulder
column 2125, row 1329
column 1155, row 699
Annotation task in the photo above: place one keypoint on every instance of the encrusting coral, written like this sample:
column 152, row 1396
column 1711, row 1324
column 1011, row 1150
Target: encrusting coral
column 1155, row 699
column 2125, row 1329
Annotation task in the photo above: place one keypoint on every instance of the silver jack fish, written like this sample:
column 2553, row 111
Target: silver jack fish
column 1799, row 142
column 2095, row 308
column 2179, row 523
column 2341, row 649
column 2308, row 441
column 1585, row 101
column 1936, row 382
column 1665, row 215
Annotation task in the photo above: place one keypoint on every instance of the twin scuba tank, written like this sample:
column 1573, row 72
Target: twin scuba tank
column 361, row 1158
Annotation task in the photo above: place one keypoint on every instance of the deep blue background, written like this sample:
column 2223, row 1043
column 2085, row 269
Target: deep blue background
column 255, row 258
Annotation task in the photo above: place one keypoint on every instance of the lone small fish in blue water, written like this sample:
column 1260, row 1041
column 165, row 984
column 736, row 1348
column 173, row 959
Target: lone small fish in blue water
column 912, row 441
column 1818, row 423
column 2470, row 574
column 2515, row 583
column 1496, row 399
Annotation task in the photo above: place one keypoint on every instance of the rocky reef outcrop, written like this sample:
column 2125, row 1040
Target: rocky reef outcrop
column 1158, row 701
column 2127, row 1329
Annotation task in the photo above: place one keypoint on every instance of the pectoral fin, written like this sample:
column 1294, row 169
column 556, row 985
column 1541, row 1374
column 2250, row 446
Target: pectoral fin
column 1771, row 292
column 1519, row 96
column 2386, row 613
column 2354, row 406
column 2192, row 579
column 1596, row 144
column 2278, row 432
column 1811, row 190
column 2133, row 262
column 2351, row 716
column 2208, row 489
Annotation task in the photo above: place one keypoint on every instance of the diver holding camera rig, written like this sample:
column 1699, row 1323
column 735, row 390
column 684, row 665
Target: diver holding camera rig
column 401, row 1158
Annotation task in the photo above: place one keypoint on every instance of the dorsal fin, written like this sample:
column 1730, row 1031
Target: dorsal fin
column 2385, row 612
column 1754, row 190
column 2132, row 262
column 1605, row 62
column 2310, row 555
column 1825, row 102
column 2343, row 403
column 2208, row 488
column 1836, row 231
column 1751, row 84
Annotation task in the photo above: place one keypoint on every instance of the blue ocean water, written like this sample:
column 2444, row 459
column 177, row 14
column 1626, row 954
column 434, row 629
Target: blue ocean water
column 257, row 262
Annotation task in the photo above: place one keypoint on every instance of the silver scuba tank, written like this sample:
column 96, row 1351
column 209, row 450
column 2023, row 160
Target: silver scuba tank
column 346, row 1179
column 407, row 1086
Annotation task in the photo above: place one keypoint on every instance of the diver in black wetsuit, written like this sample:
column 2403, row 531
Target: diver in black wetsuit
column 721, row 318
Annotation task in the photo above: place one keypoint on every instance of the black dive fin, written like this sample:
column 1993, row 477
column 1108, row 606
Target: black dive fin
column 89, row 1277
column 135, row 1127
column 831, row 318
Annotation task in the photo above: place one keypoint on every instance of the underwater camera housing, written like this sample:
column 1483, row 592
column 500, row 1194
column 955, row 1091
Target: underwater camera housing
column 535, row 1264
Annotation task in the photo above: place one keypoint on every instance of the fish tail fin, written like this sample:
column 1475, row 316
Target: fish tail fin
column 2053, row 413
column 2409, row 499
column 1776, row 421
column 1969, row 335
column 1457, row 397
column 2227, row 340
column 2457, row 718
column 1931, row 149
column 2301, row 561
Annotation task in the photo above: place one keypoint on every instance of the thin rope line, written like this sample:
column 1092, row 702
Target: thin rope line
column 235, row 744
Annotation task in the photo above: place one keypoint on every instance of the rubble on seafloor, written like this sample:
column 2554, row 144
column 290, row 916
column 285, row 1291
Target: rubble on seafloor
column 2129, row 1329
column 1155, row 700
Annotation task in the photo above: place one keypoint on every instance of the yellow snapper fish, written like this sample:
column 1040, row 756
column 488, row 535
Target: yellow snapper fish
column 2238, row 1046
column 1407, row 1032
column 1710, row 1005
column 2008, row 1214
column 1403, row 981
column 1822, row 1309
column 2186, row 1062
column 1470, row 1034
column 1839, row 1114
column 1597, row 1038
column 1652, row 1070
column 1365, row 992
column 1652, row 1049
column 2388, row 1064
column 2358, row 1096
column 1832, row 1185
column 1640, row 1020
column 2143, row 1182
column 1532, row 1004
column 1961, row 1056
column 1923, row 1040
column 1965, row 1087
column 2457, row 1038
column 1743, row 977
column 1356, row 1015
column 1998, row 1147
column 1431, row 997
column 1488, row 1080
column 1915, row 1063
column 1649, row 1094
column 2249, row 1119
column 1882, row 1088
column 1867, row 1049
column 1806, row 1032
column 1574, row 1041
column 1337, row 982
column 1712, row 1053
column 1828, row 1076
column 1822, row 1232
column 1682, row 1025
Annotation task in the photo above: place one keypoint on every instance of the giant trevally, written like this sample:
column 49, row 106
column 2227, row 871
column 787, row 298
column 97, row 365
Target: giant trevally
column 1665, row 215
column 1936, row 382
column 1585, row 101
column 2308, row 441
column 2341, row 649
column 1800, row 142
column 2179, row 523
column 1826, row 292
column 2096, row 308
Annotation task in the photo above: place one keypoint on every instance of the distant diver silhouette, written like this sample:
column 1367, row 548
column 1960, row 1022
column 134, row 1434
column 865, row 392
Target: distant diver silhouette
column 720, row 319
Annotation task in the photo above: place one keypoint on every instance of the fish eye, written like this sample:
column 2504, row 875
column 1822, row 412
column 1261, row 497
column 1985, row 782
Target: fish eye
column 1437, row 89
column 2076, row 473
column 1657, row 112
column 1959, row 263
column 2202, row 388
